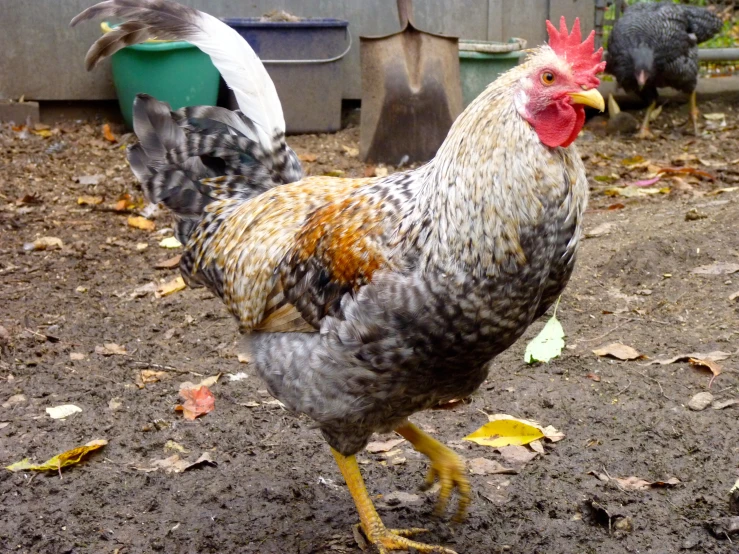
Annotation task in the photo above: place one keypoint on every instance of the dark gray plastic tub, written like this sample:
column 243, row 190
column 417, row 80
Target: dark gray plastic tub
column 304, row 60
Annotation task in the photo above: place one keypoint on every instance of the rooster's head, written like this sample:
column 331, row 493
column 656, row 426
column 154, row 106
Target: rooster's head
column 559, row 81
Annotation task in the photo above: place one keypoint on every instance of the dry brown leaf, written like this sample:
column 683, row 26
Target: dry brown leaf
column 76, row 356
column 618, row 351
column 243, row 358
column 149, row 376
column 138, row 222
column 174, row 464
column 169, row 263
column 383, row 446
column 593, row 376
column 517, row 456
column 110, row 349
column 44, row 243
column 636, row 484
column 90, row 200
column 350, row 151
column 483, row 466
column 721, row 404
column 715, row 356
column 710, row 365
column 198, row 401
column 600, row 230
column 175, row 285
column 108, row 134
column 537, row 446
column 307, row 158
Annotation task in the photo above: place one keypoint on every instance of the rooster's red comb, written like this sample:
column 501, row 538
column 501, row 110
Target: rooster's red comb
column 581, row 55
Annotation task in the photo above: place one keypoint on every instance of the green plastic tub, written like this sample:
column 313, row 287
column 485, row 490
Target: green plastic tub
column 480, row 63
column 172, row 71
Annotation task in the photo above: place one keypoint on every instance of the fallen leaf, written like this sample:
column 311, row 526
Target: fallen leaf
column 44, row 243
column 126, row 203
column 174, row 464
column 143, row 290
column 90, row 180
column 634, row 160
column 717, row 268
column 618, row 351
column 307, row 158
column 548, row 344
column 243, row 358
column 600, row 230
column 150, row 376
column 59, row 461
column 483, row 466
column 383, row 446
column 536, row 446
column 334, row 173
column 170, row 287
column 721, row 191
column 111, row 349
column 635, row 483
column 686, row 171
column 552, row 434
column 505, row 430
column 700, row 401
column 715, row 356
column 28, row 199
column 631, row 192
column 735, row 487
column 76, row 356
column 169, row 263
column 138, row 222
column 646, row 182
column 381, row 171
column 721, row 404
column 734, row 296
column 240, row 376
column 108, row 134
column 45, row 133
column 210, row 381
column 198, row 401
column 63, row 411
column 170, row 242
column 710, row 365
column 114, row 404
column 90, row 200
column 172, row 445
column 714, row 116
column 13, row 400
column 593, row 376
column 350, row 151
column 518, row 456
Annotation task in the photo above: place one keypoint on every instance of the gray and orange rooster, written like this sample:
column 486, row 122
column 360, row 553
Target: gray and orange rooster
column 363, row 301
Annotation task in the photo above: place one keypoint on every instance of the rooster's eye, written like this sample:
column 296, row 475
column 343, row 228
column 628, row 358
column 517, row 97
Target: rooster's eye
column 547, row 78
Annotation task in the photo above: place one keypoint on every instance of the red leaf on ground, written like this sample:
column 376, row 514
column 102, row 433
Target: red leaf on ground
column 198, row 401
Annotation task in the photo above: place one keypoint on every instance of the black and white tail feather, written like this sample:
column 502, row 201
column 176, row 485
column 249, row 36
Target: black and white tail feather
column 188, row 158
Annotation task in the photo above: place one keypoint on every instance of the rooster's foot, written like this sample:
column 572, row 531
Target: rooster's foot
column 446, row 466
column 387, row 540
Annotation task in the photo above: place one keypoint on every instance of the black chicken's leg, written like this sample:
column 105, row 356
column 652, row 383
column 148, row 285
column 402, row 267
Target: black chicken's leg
column 694, row 113
column 644, row 132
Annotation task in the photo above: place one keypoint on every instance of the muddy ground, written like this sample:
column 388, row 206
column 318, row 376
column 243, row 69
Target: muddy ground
column 275, row 488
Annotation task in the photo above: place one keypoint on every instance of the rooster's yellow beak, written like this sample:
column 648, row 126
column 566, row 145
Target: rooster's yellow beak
column 590, row 98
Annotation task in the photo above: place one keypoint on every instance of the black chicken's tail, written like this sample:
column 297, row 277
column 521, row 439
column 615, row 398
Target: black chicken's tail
column 188, row 158
column 702, row 23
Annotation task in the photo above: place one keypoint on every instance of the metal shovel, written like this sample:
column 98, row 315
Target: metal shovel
column 411, row 92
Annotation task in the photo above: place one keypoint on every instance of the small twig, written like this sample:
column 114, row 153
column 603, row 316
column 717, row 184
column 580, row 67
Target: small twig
column 162, row 367
column 619, row 393
column 607, row 332
column 661, row 390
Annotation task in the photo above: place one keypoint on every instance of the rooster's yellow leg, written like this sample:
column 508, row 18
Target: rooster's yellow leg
column 384, row 539
column 644, row 132
column 694, row 113
column 447, row 466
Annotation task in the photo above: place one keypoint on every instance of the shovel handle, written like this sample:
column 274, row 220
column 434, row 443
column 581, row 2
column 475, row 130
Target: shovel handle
column 405, row 12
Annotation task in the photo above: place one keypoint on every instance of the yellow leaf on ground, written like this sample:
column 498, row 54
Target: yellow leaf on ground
column 170, row 242
column 175, row 285
column 59, row 461
column 505, row 430
column 138, row 222
column 90, row 200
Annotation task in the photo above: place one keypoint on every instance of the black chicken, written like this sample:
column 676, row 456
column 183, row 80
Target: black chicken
column 655, row 44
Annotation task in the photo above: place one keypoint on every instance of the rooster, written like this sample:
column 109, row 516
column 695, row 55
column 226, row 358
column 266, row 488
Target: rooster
column 363, row 301
column 655, row 45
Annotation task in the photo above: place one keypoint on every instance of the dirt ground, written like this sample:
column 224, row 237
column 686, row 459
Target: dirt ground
column 275, row 488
